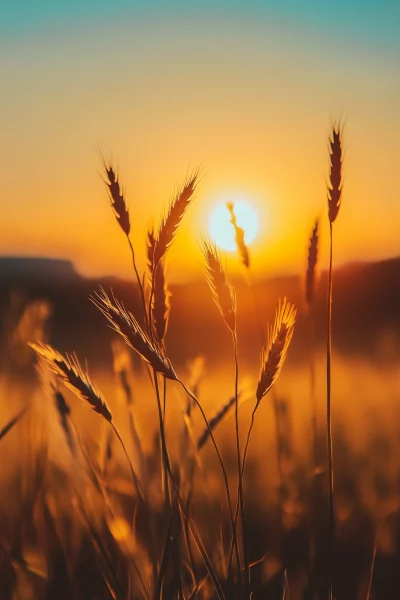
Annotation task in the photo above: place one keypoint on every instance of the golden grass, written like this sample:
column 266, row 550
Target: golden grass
column 68, row 369
column 221, row 288
column 169, row 547
column 239, row 236
column 176, row 211
column 125, row 324
column 335, row 173
column 274, row 354
column 312, row 260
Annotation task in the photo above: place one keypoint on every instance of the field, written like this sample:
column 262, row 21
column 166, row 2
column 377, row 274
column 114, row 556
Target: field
column 201, row 471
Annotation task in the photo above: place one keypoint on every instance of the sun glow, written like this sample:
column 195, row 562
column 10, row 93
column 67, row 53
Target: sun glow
column 222, row 231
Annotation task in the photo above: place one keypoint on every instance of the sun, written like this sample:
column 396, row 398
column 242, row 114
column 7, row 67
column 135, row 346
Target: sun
column 221, row 229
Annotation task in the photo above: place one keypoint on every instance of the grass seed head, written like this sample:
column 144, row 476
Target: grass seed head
column 335, row 174
column 222, row 290
column 312, row 260
column 117, row 199
column 274, row 354
column 69, row 371
column 124, row 323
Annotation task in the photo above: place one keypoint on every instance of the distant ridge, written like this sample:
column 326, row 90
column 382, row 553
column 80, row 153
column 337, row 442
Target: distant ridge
column 366, row 316
column 21, row 267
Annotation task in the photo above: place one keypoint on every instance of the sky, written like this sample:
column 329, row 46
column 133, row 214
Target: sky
column 248, row 90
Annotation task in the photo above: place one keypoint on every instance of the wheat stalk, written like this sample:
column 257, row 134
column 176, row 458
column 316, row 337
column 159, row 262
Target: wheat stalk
column 6, row 428
column 335, row 175
column 334, row 202
column 125, row 324
column 312, row 260
column 239, row 236
column 160, row 307
column 69, row 371
column 64, row 412
column 274, row 354
column 222, row 290
column 171, row 221
column 121, row 213
column 117, row 199
column 272, row 359
column 224, row 297
column 214, row 421
column 160, row 295
column 150, row 246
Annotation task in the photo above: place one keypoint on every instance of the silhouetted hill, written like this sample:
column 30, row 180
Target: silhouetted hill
column 21, row 269
column 366, row 310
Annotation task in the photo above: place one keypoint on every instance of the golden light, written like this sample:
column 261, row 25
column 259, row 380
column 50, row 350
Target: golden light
column 222, row 231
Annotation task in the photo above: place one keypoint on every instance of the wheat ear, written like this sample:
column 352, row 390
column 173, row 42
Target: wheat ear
column 117, row 199
column 221, row 288
column 335, row 174
column 172, row 219
column 125, row 324
column 69, row 371
column 239, row 236
column 312, row 260
column 274, row 354
column 214, row 422
column 161, row 303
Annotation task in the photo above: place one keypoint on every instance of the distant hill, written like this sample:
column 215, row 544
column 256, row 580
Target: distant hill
column 366, row 309
column 21, row 269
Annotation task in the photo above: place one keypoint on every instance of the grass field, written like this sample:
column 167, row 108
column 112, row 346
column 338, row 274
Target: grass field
column 219, row 475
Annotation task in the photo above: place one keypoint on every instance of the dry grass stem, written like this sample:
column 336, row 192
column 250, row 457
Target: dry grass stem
column 214, row 422
column 334, row 203
column 12, row 422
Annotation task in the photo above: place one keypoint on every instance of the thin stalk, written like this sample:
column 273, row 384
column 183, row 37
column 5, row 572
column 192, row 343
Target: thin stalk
column 115, row 589
column 240, row 500
column 200, row 545
column 134, row 476
column 329, row 424
column 165, row 397
column 313, row 399
column 138, row 447
column 164, row 450
column 192, row 526
column 246, row 448
column 224, row 473
column 166, row 470
column 279, row 452
column 186, row 537
column 371, row 573
column 151, row 295
column 139, row 282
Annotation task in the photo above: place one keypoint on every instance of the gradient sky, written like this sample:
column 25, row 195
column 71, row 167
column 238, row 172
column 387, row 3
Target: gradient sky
column 248, row 90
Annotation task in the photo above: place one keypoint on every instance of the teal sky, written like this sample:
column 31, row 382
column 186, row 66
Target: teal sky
column 372, row 21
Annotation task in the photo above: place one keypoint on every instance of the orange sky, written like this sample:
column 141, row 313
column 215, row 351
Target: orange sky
column 251, row 101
